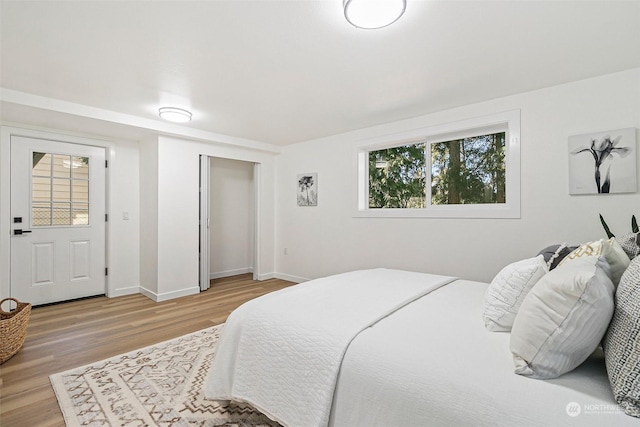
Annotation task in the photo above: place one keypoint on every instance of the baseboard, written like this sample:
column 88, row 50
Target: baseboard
column 290, row 278
column 147, row 293
column 124, row 291
column 229, row 273
column 266, row 276
column 169, row 295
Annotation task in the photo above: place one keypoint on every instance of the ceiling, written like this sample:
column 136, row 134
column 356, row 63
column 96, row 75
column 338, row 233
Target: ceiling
column 282, row 72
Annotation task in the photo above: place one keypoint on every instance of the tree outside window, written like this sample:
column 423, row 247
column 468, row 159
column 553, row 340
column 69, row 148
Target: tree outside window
column 469, row 170
column 397, row 177
column 462, row 171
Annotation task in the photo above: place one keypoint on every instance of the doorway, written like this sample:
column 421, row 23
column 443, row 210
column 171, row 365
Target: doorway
column 228, row 218
column 58, row 229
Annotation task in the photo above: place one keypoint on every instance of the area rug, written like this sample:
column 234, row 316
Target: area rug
column 160, row 385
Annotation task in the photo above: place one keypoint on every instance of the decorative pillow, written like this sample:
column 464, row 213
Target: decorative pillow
column 622, row 341
column 555, row 253
column 507, row 291
column 563, row 319
column 610, row 249
column 630, row 243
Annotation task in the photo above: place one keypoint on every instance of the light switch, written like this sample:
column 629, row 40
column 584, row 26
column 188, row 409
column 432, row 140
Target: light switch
column 125, row 216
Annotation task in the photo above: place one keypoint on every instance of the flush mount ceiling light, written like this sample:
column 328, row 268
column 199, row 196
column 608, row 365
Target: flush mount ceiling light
column 371, row 14
column 177, row 115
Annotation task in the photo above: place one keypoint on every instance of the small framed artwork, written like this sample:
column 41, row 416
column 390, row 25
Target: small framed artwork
column 603, row 162
column 308, row 189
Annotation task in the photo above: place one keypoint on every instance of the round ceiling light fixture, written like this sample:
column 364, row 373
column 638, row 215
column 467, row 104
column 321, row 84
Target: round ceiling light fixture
column 176, row 115
column 372, row 14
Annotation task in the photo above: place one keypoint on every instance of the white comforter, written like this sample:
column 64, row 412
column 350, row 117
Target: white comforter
column 282, row 352
column 433, row 363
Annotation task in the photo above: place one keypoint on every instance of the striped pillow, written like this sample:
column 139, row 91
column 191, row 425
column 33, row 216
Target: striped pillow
column 563, row 318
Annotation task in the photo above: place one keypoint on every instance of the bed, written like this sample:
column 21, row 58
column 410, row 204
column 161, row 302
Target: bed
column 422, row 357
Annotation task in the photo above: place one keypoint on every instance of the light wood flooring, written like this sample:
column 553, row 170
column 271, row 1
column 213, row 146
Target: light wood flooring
column 68, row 335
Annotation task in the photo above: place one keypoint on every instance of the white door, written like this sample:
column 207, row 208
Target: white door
column 57, row 220
column 205, row 165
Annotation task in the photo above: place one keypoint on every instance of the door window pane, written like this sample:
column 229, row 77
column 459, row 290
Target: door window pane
column 61, row 166
column 80, row 167
column 41, row 189
column 41, row 214
column 80, row 191
column 80, row 213
column 61, row 214
column 41, row 164
column 59, row 190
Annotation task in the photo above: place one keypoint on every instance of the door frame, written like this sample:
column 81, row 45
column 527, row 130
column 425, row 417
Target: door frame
column 204, row 262
column 6, row 132
column 204, row 259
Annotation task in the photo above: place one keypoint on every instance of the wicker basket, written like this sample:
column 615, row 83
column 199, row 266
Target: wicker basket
column 13, row 328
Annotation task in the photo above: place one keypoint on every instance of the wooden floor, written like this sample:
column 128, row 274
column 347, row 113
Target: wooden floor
column 68, row 335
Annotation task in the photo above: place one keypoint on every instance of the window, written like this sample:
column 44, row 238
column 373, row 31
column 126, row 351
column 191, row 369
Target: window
column 397, row 177
column 59, row 190
column 465, row 169
column 468, row 170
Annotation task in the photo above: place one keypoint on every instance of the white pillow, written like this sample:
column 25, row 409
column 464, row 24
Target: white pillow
column 563, row 319
column 616, row 257
column 507, row 291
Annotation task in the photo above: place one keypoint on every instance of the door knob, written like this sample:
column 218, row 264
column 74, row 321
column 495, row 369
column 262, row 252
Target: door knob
column 18, row 232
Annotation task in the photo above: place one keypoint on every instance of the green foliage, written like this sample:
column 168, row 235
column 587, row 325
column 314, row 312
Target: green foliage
column 606, row 228
column 397, row 177
column 469, row 170
column 634, row 226
column 464, row 171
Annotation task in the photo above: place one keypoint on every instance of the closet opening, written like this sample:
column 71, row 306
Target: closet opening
column 228, row 218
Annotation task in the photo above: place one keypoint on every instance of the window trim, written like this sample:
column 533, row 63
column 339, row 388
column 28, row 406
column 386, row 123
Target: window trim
column 508, row 121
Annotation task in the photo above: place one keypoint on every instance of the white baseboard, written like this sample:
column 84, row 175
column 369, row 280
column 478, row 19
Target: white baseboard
column 290, row 278
column 228, row 273
column 194, row 290
column 147, row 293
column 282, row 276
column 169, row 295
column 266, row 276
column 124, row 291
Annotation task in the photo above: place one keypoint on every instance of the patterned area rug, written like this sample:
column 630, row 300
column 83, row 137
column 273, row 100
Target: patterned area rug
column 160, row 385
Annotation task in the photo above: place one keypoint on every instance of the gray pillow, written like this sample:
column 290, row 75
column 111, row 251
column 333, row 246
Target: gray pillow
column 555, row 253
column 622, row 341
column 630, row 242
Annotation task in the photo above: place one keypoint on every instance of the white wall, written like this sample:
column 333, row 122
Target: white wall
column 124, row 198
column 149, row 214
column 231, row 211
column 177, row 207
column 327, row 239
column 178, row 177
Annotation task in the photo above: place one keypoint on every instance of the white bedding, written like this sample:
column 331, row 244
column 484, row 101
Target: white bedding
column 282, row 352
column 433, row 363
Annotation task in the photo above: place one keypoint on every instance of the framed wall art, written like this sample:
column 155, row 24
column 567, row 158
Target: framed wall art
column 308, row 189
column 603, row 162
